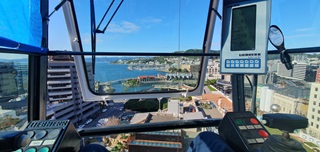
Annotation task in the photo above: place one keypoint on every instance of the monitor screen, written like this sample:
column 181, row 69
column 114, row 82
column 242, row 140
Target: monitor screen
column 243, row 28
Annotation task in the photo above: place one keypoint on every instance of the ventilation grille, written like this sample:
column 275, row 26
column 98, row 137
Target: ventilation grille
column 48, row 124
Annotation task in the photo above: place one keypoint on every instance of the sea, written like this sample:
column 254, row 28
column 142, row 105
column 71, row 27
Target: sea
column 106, row 72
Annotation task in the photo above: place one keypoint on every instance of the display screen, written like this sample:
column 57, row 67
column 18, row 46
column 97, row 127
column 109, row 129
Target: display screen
column 243, row 28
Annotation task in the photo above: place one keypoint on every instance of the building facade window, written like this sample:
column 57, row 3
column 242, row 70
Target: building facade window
column 316, row 89
column 315, row 96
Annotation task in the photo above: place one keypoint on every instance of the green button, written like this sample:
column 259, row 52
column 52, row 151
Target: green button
column 19, row 150
column 44, row 149
column 31, row 150
column 239, row 122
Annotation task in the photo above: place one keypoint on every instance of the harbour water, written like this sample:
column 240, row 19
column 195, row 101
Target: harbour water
column 106, row 72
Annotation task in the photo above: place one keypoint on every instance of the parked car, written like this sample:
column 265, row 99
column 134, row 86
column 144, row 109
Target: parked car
column 81, row 126
column 104, row 110
column 88, row 121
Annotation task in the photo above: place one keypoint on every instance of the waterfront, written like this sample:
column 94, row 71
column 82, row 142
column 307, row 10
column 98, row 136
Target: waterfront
column 105, row 72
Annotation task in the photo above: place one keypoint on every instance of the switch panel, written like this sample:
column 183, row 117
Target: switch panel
column 242, row 130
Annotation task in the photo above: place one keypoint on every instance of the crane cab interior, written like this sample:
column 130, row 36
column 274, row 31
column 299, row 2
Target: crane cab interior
column 115, row 75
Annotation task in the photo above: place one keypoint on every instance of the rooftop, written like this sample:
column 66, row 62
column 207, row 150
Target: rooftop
column 225, row 103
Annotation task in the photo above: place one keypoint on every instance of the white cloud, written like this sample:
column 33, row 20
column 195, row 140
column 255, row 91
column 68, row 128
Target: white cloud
column 151, row 20
column 86, row 39
column 123, row 27
column 304, row 29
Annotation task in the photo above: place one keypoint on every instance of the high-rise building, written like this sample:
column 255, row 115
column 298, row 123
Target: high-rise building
column 311, row 73
column 282, row 71
column 314, row 111
column 64, row 93
column 22, row 77
column 8, row 77
column 299, row 70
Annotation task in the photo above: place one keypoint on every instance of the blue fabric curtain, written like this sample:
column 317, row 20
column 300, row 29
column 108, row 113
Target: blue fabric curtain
column 20, row 21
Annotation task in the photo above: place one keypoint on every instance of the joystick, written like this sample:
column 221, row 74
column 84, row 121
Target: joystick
column 286, row 123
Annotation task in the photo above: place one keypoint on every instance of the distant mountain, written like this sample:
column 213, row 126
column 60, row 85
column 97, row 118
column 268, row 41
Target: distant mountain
column 110, row 59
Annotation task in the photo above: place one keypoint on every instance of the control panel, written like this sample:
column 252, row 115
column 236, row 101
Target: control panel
column 243, row 131
column 49, row 135
column 244, row 38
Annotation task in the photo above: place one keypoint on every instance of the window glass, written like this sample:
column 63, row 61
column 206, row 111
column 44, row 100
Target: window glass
column 143, row 74
column 141, row 26
column 293, row 90
column 13, row 91
column 146, row 27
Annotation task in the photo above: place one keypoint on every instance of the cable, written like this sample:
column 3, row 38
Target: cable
column 249, row 82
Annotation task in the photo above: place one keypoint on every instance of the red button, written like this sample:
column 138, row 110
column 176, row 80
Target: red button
column 254, row 121
column 263, row 134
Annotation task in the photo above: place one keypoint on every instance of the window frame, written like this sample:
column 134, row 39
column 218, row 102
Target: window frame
column 77, row 51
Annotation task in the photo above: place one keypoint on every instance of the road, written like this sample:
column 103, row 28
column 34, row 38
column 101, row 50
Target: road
column 112, row 111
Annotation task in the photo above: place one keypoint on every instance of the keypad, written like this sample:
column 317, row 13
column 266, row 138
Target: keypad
column 243, row 63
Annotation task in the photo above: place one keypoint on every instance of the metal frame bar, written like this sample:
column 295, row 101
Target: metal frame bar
column 37, row 87
column 156, row 126
column 238, row 100
column 296, row 50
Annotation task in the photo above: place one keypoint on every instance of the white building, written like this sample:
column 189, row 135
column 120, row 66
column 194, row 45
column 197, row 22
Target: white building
column 265, row 96
column 175, row 107
column 299, row 70
column 213, row 69
column 64, row 93
column 282, row 71
column 314, row 111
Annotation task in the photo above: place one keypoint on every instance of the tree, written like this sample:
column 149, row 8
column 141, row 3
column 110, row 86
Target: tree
column 189, row 98
column 211, row 82
column 147, row 105
column 165, row 105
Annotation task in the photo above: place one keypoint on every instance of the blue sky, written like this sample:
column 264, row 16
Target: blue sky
column 143, row 26
column 152, row 26
column 149, row 26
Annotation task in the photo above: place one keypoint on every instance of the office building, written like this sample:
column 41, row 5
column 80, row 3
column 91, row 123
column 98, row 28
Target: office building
column 8, row 77
column 299, row 70
column 314, row 111
column 64, row 93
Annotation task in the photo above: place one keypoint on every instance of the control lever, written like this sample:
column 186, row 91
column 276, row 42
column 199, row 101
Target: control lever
column 286, row 123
